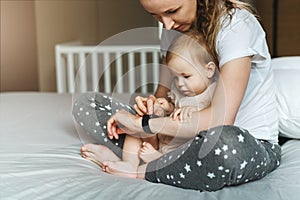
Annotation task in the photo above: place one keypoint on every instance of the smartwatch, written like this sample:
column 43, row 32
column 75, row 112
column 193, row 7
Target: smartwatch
column 145, row 123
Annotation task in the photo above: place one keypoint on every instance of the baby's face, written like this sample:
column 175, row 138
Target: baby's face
column 190, row 77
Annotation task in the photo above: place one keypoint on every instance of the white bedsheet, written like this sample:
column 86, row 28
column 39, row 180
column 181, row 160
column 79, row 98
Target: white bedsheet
column 39, row 159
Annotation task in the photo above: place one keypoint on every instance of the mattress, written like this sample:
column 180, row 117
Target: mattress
column 40, row 159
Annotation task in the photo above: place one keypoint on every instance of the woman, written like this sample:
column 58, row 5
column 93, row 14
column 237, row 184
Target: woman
column 235, row 138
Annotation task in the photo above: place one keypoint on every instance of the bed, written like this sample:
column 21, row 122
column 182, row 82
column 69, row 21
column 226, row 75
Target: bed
column 40, row 157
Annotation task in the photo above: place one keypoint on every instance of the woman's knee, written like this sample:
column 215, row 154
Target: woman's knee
column 229, row 136
column 222, row 152
column 82, row 103
column 229, row 133
column 218, row 137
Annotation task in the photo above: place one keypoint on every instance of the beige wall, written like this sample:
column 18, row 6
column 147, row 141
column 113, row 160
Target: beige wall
column 30, row 29
column 116, row 16
column 89, row 21
column 57, row 22
column 18, row 47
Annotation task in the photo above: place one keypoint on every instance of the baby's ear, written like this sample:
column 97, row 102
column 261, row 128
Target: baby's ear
column 210, row 69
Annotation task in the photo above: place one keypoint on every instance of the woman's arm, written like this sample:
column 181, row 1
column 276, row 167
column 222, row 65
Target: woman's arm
column 230, row 90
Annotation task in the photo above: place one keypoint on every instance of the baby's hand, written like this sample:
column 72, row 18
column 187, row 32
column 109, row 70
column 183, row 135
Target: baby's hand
column 144, row 105
column 162, row 107
column 184, row 113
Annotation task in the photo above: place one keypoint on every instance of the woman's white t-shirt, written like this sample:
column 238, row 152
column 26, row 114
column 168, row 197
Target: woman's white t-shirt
column 243, row 36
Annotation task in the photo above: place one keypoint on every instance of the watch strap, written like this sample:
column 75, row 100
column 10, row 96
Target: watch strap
column 145, row 123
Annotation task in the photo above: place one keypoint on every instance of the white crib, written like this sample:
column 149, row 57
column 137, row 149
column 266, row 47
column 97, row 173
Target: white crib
column 113, row 68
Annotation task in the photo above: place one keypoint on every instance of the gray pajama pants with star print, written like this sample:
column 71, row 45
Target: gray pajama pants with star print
column 92, row 110
column 222, row 156
column 215, row 158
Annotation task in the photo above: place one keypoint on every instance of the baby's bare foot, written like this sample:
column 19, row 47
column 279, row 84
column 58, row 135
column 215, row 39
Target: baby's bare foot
column 148, row 153
column 98, row 153
column 120, row 168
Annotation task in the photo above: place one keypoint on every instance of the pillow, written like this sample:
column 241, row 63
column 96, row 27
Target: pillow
column 287, row 79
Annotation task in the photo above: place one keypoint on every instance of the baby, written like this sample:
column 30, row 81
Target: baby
column 191, row 90
column 194, row 72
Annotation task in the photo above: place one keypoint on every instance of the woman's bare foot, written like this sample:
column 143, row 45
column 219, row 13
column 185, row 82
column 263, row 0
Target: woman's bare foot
column 148, row 153
column 120, row 168
column 98, row 153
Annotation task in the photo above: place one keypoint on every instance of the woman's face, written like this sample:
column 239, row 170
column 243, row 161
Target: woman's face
column 174, row 14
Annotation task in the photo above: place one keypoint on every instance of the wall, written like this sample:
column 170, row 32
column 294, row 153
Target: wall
column 57, row 22
column 288, row 40
column 265, row 12
column 89, row 21
column 121, row 15
column 288, row 29
column 18, row 47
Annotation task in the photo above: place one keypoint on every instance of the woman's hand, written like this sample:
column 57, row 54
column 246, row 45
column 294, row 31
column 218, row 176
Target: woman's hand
column 123, row 122
column 184, row 113
column 144, row 105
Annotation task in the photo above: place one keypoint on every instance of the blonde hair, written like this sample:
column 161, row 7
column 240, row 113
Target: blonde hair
column 193, row 43
column 209, row 13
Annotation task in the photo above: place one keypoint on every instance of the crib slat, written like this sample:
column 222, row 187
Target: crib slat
column 107, row 74
column 143, row 72
column 60, row 70
column 155, row 69
column 95, row 72
column 70, row 61
column 82, row 72
column 131, row 72
column 119, row 72
column 76, row 80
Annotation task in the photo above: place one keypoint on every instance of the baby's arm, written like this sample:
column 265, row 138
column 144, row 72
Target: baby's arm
column 161, row 108
column 184, row 113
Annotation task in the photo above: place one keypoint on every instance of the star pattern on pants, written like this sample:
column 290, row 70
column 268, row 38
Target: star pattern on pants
column 243, row 164
column 199, row 163
column 211, row 175
column 225, row 147
column 187, row 168
column 182, row 175
column 240, row 138
column 218, row 151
